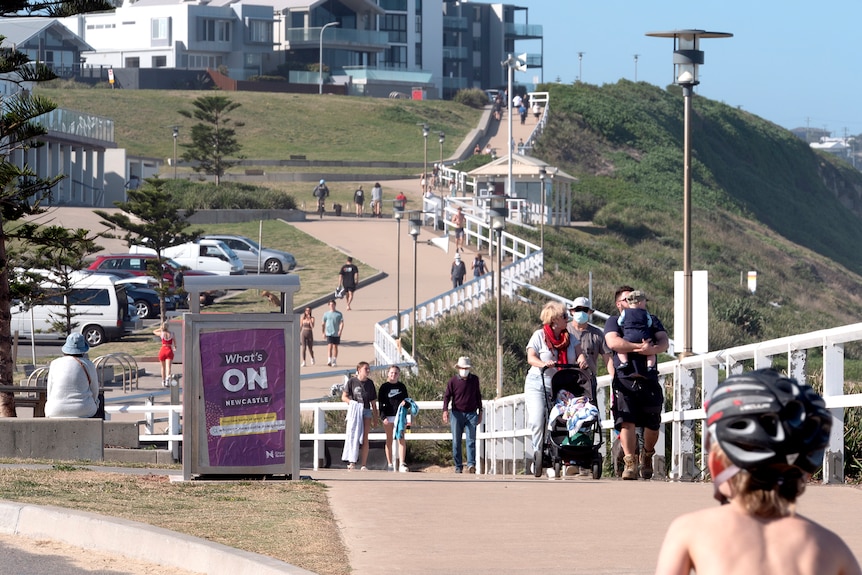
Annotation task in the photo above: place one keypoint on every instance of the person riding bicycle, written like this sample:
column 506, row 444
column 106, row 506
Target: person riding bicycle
column 321, row 192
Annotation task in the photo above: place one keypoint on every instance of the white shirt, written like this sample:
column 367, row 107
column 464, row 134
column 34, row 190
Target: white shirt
column 70, row 392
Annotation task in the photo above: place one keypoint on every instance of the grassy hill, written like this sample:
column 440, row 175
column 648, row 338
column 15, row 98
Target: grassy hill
column 278, row 125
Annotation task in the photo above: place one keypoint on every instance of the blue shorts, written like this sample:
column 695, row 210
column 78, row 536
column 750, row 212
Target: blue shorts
column 367, row 413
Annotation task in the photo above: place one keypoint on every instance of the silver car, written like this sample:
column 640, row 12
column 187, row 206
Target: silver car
column 249, row 252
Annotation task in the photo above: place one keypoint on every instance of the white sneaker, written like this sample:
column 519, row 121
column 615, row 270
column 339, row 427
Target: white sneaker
column 329, row 362
column 551, row 473
column 403, row 468
column 312, row 361
column 571, row 470
column 302, row 364
column 333, row 363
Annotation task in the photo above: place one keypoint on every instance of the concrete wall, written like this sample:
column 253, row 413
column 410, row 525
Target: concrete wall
column 44, row 438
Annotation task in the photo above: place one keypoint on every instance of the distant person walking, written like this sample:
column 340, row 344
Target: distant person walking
column 359, row 201
column 458, row 220
column 166, row 352
column 465, row 394
column 333, row 327
column 459, row 270
column 478, row 266
column 306, row 335
column 376, row 199
column 348, row 277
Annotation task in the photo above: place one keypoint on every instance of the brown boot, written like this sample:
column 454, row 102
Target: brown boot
column 630, row 471
column 646, row 464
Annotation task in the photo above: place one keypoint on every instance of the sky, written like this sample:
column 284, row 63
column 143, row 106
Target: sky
column 793, row 62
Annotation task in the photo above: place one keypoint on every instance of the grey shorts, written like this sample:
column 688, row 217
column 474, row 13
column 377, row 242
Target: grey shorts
column 333, row 339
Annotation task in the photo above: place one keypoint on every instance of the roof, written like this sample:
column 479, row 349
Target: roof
column 18, row 31
column 522, row 166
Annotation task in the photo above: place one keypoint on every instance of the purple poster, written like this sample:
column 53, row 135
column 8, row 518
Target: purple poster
column 244, row 396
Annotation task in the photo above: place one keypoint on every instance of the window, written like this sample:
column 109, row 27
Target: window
column 161, row 30
column 419, row 54
column 396, row 26
column 395, row 57
column 212, row 30
column 160, row 61
column 89, row 296
column 133, row 62
column 260, row 31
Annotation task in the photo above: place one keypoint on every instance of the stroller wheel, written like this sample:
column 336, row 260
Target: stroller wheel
column 537, row 463
column 558, row 468
column 597, row 468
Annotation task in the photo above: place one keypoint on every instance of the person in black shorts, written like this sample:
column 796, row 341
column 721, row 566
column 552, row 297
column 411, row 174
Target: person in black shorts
column 348, row 277
column 637, row 401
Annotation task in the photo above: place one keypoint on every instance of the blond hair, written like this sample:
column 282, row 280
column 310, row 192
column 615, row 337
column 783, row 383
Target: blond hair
column 769, row 493
column 552, row 310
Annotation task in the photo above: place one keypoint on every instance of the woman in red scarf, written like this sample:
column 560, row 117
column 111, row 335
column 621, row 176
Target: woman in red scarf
column 550, row 345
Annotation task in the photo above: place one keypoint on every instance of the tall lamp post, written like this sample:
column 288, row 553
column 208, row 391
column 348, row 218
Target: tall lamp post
column 512, row 63
column 543, row 173
column 176, row 135
column 425, row 132
column 320, row 70
column 414, row 220
column 686, row 58
column 580, row 66
column 497, row 215
column 398, row 213
column 636, row 66
column 441, row 140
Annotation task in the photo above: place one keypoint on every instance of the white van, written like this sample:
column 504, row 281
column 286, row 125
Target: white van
column 204, row 255
column 99, row 307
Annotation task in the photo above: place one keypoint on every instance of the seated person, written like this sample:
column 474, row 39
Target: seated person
column 73, row 385
column 637, row 323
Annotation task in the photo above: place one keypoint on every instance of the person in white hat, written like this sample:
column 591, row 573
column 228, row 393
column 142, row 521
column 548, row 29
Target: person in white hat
column 466, row 396
column 73, row 386
column 459, row 271
column 592, row 338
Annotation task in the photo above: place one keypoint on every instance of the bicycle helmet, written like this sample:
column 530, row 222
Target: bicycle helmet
column 322, row 182
column 762, row 420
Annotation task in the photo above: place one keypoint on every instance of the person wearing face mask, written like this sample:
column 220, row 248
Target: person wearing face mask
column 466, row 396
column 592, row 340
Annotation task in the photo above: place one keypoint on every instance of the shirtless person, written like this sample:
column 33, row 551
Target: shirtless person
column 458, row 220
column 767, row 435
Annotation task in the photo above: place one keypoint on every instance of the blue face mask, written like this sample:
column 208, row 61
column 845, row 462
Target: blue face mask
column 581, row 317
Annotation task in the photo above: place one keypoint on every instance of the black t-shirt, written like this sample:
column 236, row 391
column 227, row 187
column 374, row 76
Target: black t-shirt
column 390, row 396
column 348, row 273
column 363, row 392
column 359, row 196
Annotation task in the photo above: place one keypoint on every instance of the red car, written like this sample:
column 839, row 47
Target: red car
column 137, row 265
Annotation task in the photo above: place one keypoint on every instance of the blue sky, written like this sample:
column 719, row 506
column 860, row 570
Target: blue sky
column 792, row 62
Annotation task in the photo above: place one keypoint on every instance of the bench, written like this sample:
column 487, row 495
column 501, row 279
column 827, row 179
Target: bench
column 46, row 438
column 297, row 156
column 255, row 172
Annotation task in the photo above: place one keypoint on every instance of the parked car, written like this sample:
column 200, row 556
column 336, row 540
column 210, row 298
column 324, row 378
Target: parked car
column 249, row 251
column 203, row 255
column 99, row 306
column 141, row 295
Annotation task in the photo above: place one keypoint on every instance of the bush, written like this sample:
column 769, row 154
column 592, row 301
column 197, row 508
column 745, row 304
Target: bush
column 228, row 196
column 474, row 97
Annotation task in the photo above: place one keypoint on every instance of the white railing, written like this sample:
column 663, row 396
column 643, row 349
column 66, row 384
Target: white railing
column 503, row 438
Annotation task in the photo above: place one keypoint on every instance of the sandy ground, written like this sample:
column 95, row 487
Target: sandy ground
column 44, row 557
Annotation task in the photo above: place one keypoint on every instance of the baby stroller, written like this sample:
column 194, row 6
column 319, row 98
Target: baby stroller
column 559, row 446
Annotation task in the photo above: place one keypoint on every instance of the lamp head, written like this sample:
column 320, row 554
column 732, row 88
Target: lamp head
column 414, row 219
column 425, row 131
column 542, row 173
column 442, row 137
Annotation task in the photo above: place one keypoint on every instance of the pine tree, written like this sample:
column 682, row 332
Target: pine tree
column 212, row 140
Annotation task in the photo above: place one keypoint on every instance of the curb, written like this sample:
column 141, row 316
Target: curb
column 151, row 544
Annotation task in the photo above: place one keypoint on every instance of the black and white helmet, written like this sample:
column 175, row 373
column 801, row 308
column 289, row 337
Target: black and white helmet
column 763, row 419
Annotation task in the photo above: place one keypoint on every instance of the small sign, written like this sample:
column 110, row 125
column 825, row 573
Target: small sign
column 752, row 281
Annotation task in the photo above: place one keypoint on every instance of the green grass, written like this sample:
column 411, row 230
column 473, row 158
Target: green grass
column 278, row 125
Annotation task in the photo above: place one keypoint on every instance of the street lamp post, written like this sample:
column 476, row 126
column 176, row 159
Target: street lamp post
column 580, row 66
column 543, row 173
column 176, row 135
column 425, row 132
column 636, row 66
column 497, row 214
column 398, row 213
column 686, row 58
column 440, row 168
column 512, row 63
column 320, row 70
column 414, row 220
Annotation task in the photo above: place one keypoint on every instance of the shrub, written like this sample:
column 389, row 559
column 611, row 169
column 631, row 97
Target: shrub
column 228, row 196
column 474, row 97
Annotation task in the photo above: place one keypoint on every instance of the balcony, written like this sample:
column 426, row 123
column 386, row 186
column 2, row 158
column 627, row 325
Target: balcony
column 455, row 53
column 454, row 23
column 334, row 37
column 523, row 31
column 95, row 129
